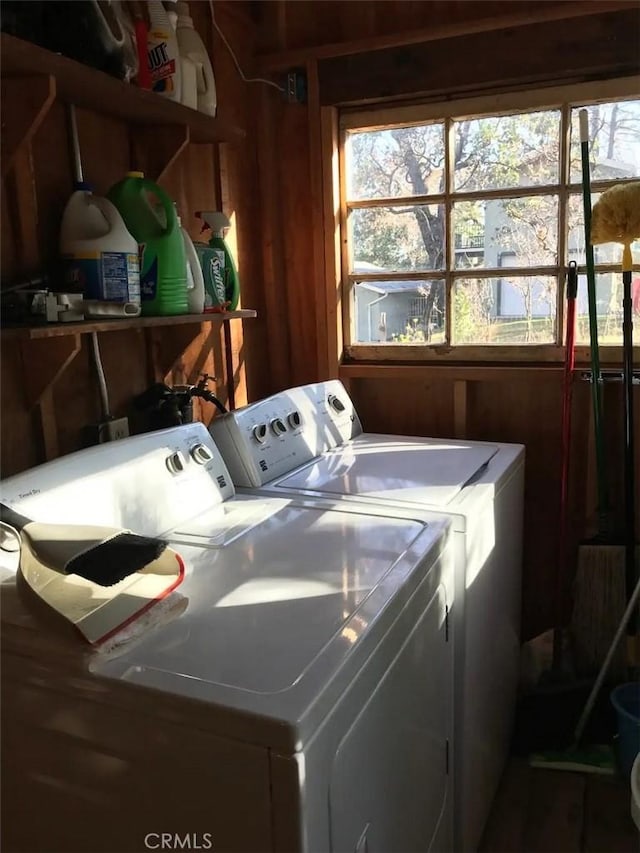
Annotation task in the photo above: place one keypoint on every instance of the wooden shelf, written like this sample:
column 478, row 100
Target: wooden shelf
column 56, row 330
column 85, row 87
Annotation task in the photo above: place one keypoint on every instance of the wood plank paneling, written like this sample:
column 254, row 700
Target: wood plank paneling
column 595, row 46
column 37, row 190
column 293, row 32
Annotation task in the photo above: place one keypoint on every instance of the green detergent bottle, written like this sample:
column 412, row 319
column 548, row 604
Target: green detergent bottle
column 150, row 217
column 221, row 283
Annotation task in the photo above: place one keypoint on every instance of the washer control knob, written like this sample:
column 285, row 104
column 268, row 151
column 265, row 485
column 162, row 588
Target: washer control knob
column 176, row 462
column 201, row 454
column 260, row 432
column 336, row 403
column 278, row 426
column 295, row 419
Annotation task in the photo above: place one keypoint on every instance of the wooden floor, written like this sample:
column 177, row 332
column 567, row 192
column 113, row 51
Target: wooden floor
column 552, row 811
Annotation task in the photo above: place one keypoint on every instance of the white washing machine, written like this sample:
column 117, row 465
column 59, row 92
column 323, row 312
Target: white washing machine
column 309, row 441
column 295, row 697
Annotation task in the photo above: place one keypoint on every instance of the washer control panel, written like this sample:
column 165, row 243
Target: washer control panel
column 273, row 437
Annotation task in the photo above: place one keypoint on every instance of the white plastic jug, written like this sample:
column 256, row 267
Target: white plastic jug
column 192, row 47
column 195, row 279
column 100, row 258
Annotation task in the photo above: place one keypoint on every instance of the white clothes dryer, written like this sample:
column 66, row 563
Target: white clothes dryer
column 309, row 441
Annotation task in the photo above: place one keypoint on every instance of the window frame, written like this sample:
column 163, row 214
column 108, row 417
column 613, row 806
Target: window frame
column 369, row 118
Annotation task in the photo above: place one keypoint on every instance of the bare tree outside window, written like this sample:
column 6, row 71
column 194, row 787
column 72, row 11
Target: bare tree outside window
column 496, row 183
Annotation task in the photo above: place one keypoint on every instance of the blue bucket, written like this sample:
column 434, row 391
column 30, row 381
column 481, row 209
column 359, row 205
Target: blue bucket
column 626, row 700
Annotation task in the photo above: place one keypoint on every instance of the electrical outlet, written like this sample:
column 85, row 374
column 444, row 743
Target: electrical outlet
column 113, row 430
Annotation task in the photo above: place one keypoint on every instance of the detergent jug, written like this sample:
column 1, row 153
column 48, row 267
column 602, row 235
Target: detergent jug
column 150, row 216
column 99, row 256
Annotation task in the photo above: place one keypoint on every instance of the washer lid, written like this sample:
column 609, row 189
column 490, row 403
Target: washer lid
column 429, row 472
column 274, row 614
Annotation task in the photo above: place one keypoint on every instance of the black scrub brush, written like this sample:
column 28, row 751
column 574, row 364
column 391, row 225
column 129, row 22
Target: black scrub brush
column 102, row 555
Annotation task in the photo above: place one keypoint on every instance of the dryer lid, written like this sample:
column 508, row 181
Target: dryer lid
column 282, row 604
column 429, row 472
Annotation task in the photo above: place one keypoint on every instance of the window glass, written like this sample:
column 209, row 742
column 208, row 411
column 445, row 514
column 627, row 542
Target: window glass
column 498, row 152
column 401, row 161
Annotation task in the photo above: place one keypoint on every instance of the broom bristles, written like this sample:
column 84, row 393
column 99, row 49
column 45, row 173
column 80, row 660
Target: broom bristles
column 599, row 604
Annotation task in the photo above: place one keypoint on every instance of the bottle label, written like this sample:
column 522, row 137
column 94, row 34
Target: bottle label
column 161, row 66
column 217, row 275
column 103, row 276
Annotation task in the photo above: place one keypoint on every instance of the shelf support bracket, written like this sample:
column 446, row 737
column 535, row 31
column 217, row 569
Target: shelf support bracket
column 44, row 360
column 154, row 149
column 25, row 103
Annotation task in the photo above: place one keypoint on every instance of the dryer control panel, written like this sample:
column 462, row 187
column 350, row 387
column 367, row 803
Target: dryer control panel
column 275, row 436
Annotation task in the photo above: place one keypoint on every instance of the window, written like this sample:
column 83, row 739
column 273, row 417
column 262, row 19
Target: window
column 459, row 219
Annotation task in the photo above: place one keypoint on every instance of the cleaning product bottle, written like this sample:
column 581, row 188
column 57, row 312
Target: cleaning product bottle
column 195, row 280
column 150, row 216
column 163, row 53
column 192, row 48
column 221, row 283
column 99, row 256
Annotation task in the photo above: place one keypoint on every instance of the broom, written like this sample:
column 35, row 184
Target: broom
column 599, row 586
column 616, row 219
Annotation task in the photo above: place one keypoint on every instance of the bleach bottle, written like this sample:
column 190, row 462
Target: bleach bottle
column 221, row 283
column 99, row 256
column 150, row 216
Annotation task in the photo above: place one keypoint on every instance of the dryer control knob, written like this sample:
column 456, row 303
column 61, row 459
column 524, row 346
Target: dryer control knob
column 295, row 419
column 278, row 426
column 176, row 462
column 336, row 403
column 201, row 454
column 259, row 432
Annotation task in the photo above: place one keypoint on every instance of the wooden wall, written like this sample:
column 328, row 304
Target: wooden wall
column 202, row 177
column 274, row 186
column 491, row 403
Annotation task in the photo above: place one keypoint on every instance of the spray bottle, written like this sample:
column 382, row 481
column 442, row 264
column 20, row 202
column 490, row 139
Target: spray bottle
column 221, row 284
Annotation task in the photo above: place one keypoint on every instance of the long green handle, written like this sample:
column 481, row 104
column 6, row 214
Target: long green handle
column 596, row 377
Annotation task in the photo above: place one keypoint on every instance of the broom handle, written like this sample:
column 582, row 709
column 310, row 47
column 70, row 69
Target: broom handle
column 629, row 460
column 604, row 669
column 569, row 365
column 596, row 378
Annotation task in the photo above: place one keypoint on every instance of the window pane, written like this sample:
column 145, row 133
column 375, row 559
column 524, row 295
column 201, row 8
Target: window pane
column 513, row 310
column 402, row 161
column 515, row 232
column 507, row 151
column 397, row 238
column 605, row 253
column 608, row 307
column 614, row 141
column 408, row 312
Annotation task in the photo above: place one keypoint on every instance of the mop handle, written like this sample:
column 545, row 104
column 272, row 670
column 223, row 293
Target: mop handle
column 584, row 717
column 596, row 378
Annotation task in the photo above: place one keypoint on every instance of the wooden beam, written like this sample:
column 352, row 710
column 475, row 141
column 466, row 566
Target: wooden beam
column 273, row 253
column 604, row 45
column 332, row 244
column 515, row 17
column 318, row 185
